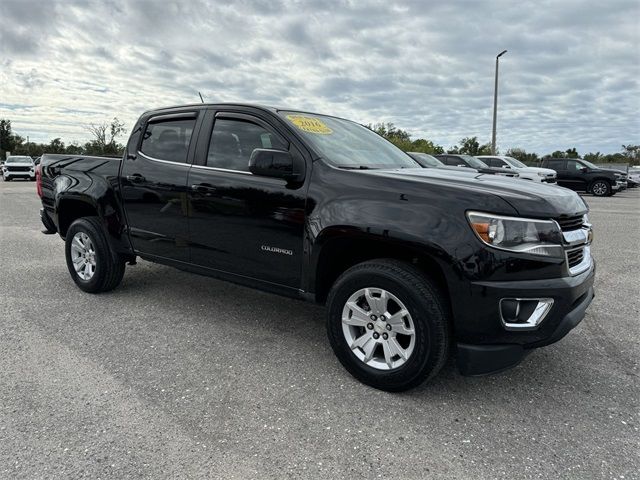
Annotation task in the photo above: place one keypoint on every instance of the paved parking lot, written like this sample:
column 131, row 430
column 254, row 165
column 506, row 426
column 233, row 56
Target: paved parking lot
column 181, row 376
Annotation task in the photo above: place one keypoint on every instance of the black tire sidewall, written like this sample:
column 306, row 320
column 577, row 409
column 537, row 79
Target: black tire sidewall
column 426, row 353
column 103, row 254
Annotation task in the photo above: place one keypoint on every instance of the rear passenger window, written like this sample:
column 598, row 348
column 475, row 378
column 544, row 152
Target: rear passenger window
column 233, row 141
column 555, row 164
column 168, row 140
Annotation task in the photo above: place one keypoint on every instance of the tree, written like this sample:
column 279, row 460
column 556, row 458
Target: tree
column 471, row 146
column 572, row 153
column 426, row 146
column 104, row 138
column 56, row 146
column 593, row 157
column 9, row 142
column 6, row 136
column 402, row 139
column 632, row 151
column 74, row 149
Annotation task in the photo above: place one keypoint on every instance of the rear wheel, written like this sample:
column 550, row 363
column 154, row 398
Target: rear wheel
column 600, row 188
column 92, row 264
column 388, row 324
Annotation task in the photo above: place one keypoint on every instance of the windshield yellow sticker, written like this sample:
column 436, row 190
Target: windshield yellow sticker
column 310, row 124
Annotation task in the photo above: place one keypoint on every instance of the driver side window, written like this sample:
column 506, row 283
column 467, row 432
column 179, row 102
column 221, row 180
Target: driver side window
column 574, row 166
column 233, row 141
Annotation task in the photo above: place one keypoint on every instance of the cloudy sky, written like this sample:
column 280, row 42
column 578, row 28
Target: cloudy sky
column 570, row 77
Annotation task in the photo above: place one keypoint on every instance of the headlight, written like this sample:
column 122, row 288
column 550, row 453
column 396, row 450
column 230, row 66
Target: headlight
column 520, row 235
column 540, row 174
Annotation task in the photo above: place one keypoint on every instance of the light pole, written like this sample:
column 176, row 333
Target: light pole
column 495, row 106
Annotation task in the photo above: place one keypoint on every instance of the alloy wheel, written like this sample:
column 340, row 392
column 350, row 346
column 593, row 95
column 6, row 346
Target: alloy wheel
column 378, row 328
column 83, row 256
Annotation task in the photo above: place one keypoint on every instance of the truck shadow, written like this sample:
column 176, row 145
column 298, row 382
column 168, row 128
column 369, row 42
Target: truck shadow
column 274, row 322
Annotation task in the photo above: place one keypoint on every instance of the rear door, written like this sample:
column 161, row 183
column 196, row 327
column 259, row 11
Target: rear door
column 560, row 166
column 240, row 223
column 154, row 185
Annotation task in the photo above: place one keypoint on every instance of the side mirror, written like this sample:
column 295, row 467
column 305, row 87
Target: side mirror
column 267, row 162
column 506, row 165
column 584, row 169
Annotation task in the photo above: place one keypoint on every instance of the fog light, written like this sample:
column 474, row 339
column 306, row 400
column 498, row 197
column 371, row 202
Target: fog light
column 524, row 313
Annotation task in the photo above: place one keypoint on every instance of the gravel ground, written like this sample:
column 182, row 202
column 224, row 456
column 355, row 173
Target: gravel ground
column 179, row 376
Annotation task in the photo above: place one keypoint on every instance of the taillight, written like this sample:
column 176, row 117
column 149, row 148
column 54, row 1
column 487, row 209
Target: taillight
column 38, row 181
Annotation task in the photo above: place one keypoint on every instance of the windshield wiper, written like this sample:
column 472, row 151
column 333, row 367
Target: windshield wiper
column 359, row 167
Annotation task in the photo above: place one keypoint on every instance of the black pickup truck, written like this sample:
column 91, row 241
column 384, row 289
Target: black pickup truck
column 583, row 176
column 413, row 264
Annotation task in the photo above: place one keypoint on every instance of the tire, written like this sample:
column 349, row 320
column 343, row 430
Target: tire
column 106, row 268
column 428, row 314
column 600, row 188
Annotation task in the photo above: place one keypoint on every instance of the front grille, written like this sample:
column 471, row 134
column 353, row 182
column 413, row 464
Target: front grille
column 18, row 169
column 570, row 223
column 574, row 257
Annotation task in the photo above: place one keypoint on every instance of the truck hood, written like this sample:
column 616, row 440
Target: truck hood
column 546, row 171
column 609, row 170
column 527, row 198
column 18, row 164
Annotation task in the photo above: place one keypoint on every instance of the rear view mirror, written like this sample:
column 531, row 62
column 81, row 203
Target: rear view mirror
column 267, row 162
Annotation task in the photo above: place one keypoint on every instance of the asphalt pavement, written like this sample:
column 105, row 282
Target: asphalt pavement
column 175, row 375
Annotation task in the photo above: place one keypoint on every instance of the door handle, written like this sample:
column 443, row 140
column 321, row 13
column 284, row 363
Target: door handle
column 203, row 188
column 135, row 178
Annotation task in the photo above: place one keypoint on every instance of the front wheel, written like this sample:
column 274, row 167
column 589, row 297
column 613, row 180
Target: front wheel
column 92, row 264
column 388, row 324
column 601, row 188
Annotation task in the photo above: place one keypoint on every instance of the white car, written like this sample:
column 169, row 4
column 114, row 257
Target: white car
column 19, row 166
column 526, row 173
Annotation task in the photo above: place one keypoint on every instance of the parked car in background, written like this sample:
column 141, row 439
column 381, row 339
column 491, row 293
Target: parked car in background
column 526, row 173
column 18, row 166
column 633, row 177
column 583, row 176
column 425, row 160
column 429, row 161
column 458, row 160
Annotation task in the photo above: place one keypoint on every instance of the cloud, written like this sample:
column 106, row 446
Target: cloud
column 570, row 77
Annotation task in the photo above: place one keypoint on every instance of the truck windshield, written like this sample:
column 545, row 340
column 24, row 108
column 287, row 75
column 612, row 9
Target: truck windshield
column 426, row 160
column 589, row 164
column 515, row 162
column 19, row 160
column 347, row 144
column 474, row 162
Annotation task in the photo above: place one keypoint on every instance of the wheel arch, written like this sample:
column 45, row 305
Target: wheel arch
column 71, row 208
column 337, row 253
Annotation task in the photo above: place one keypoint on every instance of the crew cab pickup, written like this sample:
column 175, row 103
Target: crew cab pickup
column 413, row 264
column 583, row 176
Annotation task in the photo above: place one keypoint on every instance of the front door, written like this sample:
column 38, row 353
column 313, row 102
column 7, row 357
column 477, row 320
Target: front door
column 241, row 223
column 154, row 187
column 576, row 175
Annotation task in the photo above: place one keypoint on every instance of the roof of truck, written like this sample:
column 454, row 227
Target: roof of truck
column 239, row 104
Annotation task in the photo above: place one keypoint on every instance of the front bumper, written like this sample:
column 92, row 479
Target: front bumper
column 502, row 349
column 10, row 174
